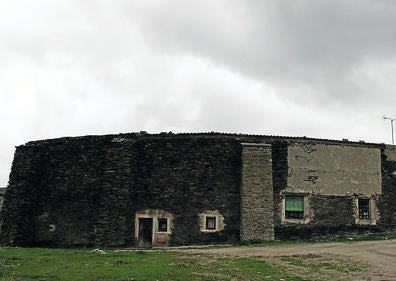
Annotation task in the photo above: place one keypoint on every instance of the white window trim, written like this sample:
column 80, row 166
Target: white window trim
column 156, row 226
column 219, row 221
column 153, row 214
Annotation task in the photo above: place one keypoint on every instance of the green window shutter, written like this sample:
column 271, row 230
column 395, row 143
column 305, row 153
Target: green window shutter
column 294, row 203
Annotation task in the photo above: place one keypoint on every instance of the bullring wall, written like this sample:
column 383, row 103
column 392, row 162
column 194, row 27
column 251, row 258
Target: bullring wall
column 69, row 191
column 187, row 176
column 88, row 190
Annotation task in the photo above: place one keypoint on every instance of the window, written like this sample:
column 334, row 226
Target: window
column 162, row 225
column 294, row 207
column 211, row 223
column 364, row 209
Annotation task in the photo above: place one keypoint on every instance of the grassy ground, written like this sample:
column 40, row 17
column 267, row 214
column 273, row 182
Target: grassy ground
column 85, row 264
column 80, row 264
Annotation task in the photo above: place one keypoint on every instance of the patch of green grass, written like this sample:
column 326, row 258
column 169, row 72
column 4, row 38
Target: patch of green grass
column 294, row 260
column 81, row 264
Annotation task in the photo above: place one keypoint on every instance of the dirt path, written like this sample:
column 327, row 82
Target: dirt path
column 377, row 259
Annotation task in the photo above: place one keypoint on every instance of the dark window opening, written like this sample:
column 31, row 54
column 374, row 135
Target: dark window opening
column 211, row 223
column 294, row 207
column 364, row 209
column 163, row 225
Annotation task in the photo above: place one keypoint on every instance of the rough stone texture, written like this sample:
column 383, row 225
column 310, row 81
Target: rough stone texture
column 279, row 174
column 87, row 190
column 257, row 223
column 387, row 201
column 2, row 192
column 19, row 223
column 332, row 210
column 185, row 177
column 71, row 191
column 332, row 176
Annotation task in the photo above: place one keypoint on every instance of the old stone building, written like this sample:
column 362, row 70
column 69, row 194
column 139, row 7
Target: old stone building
column 147, row 190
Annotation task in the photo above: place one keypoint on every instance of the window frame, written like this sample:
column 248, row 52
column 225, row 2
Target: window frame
column 219, row 224
column 307, row 214
column 214, row 218
column 297, row 214
column 364, row 210
column 372, row 211
column 161, row 230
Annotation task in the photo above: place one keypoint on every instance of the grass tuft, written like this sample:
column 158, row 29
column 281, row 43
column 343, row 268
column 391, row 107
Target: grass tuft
column 83, row 264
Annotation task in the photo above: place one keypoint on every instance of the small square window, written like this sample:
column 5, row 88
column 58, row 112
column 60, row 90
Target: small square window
column 364, row 209
column 294, row 207
column 211, row 223
column 162, row 225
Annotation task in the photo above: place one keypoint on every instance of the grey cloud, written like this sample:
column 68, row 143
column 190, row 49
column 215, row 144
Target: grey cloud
column 315, row 68
column 317, row 43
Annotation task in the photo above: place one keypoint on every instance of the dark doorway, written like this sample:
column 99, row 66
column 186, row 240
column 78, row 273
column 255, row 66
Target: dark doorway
column 145, row 238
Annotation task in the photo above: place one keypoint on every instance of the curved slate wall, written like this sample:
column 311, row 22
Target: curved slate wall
column 86, row 190
column 63, row 192
column 185, row 177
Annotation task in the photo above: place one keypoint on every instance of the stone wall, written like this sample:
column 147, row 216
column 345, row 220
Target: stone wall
column 332, row 177
column 88, row 190
column 2, row 192
column 257, row 222
column 185, row 177
column 18, row 217
column 70, row 191
column 279, row 175
column 387, row 202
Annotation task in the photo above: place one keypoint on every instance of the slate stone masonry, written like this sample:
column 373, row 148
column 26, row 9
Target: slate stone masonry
column 87, row 190
column 84, row 191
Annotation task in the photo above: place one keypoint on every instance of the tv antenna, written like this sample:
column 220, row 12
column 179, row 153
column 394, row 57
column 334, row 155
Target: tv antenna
column 391, row 121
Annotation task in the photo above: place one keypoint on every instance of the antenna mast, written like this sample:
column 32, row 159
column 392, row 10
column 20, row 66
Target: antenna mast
column 391, row 121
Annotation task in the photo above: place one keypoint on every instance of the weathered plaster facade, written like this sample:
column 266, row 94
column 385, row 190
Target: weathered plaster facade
column 333, row 169
column 157, row 190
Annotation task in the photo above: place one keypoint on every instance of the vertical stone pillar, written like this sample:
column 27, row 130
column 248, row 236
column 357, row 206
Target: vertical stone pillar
column 257, row 215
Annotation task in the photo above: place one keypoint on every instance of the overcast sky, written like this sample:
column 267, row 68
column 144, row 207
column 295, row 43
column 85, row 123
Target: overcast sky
column 323, row 69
